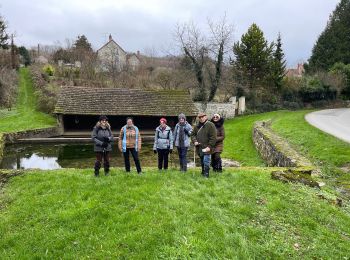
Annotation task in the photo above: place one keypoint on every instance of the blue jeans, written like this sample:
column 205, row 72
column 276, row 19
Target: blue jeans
column 205, row 162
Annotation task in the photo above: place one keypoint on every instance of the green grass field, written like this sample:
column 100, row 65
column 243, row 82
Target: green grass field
column 24, row 116
column 320, row 147
column 240, row 214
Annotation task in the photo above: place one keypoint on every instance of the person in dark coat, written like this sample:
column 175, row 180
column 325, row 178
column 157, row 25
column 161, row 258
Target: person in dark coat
column 204, row 139
column 182, row 133
column 163, row 143
column 218, row 121
column 102, row 137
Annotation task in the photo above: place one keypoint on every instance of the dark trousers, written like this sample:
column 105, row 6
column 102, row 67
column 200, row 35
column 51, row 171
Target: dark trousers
column 182, row 151
column 135, row 155
column 216, row 162
column 99, row 157
column 163, row 157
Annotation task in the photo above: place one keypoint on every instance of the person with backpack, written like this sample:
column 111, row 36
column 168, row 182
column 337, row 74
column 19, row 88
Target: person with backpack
column 130, row 142
column 102, row 137
column 182, row 133
column 163, row 143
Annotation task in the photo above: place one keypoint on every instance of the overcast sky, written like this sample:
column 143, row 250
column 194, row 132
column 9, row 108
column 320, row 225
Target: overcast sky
column 145, row 24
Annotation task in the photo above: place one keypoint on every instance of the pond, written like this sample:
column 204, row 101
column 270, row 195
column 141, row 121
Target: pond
column 56, row 156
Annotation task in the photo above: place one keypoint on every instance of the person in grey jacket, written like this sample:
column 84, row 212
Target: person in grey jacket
column 102, row 137
column 163, row 143
column 182, row 133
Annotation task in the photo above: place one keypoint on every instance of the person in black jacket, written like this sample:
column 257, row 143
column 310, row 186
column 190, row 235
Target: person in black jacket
column 102, row 137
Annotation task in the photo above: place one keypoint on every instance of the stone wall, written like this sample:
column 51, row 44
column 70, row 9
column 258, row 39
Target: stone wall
column 35, row 133
column 2, row 145
column 227, row 110
column 274, row 149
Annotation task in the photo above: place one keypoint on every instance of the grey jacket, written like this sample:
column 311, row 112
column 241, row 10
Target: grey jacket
column 99, row 134
column 188, row 129
column 163, row 139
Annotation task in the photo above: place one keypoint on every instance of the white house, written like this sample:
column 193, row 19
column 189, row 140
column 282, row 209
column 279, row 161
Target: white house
column 113, row 57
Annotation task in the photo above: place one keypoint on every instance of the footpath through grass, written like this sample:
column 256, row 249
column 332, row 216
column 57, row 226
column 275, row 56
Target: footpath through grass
column 240, row 214
column 24, row 116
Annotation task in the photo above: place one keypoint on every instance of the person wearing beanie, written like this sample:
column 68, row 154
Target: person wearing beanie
column 216, row 162
column 204, row 139
column 102, row 137
column 182, row 133
column 130, row 142
column 163, row 143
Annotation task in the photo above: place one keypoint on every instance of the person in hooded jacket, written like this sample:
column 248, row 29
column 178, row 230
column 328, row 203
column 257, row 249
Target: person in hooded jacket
column 218, row 121
column 163, row 143
column 130, row 142
column 182, row 133
column 102, row 137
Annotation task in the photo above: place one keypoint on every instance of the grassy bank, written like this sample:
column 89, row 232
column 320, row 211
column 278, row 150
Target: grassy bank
column 240, row 214
column 320, row 147
column 25, row 116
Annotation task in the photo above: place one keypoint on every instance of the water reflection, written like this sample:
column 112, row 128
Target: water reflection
column 55, row 156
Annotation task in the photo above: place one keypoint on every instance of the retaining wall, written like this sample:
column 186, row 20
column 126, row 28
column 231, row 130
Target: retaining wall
column 275, row 150
column 34, row 133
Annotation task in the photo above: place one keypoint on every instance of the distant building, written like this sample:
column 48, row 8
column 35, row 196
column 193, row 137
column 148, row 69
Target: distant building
column 41, row 59
column 298, row 72
column 113, row 57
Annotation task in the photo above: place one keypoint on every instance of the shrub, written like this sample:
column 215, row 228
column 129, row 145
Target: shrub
column 47, row 98
column 314, row 89
column 49, row 70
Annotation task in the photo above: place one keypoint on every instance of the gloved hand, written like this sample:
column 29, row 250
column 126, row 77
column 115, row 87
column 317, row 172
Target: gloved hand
column 186, row 131
column 155, row 151
column 106, row 139
column 104, row 145
column 171, row 150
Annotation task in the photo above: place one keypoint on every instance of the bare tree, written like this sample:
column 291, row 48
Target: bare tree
column 206, row 53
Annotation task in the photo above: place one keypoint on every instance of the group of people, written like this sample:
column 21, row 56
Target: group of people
column 207, row 137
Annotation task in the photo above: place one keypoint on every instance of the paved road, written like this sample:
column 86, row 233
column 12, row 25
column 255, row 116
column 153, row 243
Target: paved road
column 333, row 121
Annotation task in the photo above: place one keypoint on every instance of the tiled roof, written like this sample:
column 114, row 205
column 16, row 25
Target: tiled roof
column 114, row 101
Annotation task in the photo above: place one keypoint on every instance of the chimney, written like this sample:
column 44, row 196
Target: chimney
column 110, row 37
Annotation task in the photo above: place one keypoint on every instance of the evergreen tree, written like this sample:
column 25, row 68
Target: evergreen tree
column 4, row 37
column 333, row 45
column 278, row 64
column 25, row 54
column 252, row 59
column 82, row 43
column 81, row 49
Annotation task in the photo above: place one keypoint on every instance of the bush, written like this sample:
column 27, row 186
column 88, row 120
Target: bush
column 47, row 98
column 8, row 87
column 314, row 89
column 291, row 105
column 49, row 70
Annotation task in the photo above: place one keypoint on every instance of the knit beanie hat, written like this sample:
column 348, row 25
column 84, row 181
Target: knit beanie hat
column 182, row 115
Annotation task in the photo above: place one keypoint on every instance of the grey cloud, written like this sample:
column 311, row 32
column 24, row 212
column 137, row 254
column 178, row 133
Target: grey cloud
column 136, row 26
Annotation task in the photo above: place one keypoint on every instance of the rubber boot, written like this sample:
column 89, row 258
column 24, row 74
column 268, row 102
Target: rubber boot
column 106, row 168
column 97, row 173
column 219, row 166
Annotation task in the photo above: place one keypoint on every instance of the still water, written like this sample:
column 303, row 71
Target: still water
column 55, row 156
